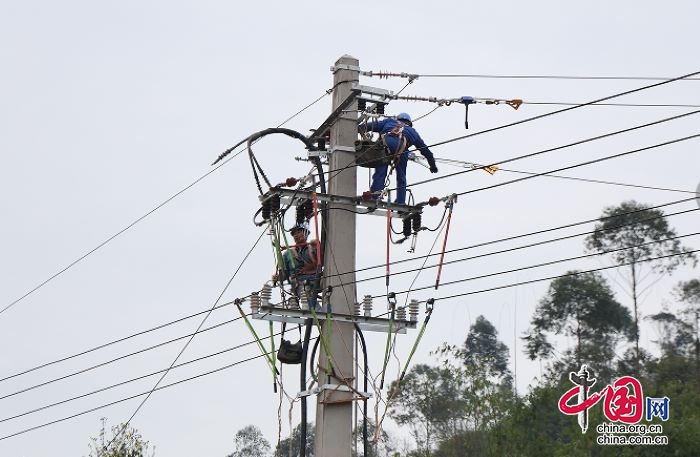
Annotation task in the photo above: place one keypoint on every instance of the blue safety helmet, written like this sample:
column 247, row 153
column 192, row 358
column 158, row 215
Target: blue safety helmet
column 404, row 117
column 300, row 226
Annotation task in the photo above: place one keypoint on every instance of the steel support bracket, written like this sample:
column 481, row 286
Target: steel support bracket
column 335, row 388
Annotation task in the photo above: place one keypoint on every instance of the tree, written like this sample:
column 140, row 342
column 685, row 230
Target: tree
column 294, row 442
column 676, row 336
column 125, row 441
column 581, row 306
column 250, row 442
column 689, row 292
column 639, row 233
column 385, row 445
column 425, row 400
column 486, row 383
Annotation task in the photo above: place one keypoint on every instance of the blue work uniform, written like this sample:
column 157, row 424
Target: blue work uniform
column 397, row 137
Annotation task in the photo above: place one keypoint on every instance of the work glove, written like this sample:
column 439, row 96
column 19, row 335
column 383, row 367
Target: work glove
column 433, row 168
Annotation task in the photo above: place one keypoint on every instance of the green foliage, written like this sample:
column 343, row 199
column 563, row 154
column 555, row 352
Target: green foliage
column 250, row 442
column 632, row 225
column 124, row 441
column 294, row 442
column 384, row 447
column 636, row 233
column 676, row 335
column 470, row 392
column 583, row 307
column 689, row 292
column 427, row 400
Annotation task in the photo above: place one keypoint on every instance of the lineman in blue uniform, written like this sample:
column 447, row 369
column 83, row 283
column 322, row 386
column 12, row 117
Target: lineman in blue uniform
column 398, row 135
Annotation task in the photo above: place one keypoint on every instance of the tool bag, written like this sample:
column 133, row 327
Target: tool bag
column 371, row 154
column 289, row 353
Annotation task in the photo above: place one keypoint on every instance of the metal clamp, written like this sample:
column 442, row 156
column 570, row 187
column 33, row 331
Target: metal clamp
column 335, row 68
column 333, row 388
column 343, row 149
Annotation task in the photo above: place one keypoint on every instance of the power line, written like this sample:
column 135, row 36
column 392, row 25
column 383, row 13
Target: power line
column 522, row 283
column 553, row 262
column 104, row 345
column 138, row 408
column 598, row 181
column 413, row 76
column 517, row 248
column 544, row 151
column 362, row 280
column 537, row 232
column 630, row 105
column 565, row 146
column 589, row 162
column 470, row 165
column 116, row 359
column 103, row 389
column 563, row 110
column 139, row 219
column 148, row 393
column 262, row 355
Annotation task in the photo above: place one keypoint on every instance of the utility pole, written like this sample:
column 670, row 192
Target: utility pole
column 335, row 402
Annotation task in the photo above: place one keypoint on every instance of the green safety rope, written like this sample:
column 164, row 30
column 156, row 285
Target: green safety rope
column 274, row 356
column 392, row 306
column 273, row 366
column 324, row 341
column 428, row 312
column 276, row 243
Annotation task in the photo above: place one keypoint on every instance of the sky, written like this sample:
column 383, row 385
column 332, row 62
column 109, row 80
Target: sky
column 109, row 109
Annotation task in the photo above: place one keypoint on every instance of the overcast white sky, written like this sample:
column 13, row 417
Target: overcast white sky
column 109, row 108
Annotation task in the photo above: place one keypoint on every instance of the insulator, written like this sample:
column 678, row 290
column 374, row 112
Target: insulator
column 407, row 227
column 321, row 144
column 274, row 203
column 266, row 295
column 266, row 210
column 254, row 302
column 417, row 222
column 433, row 201
column 361, row 104
column 290, row 182
column 300, row 214
column 293, row 303
column 357, row 309
column 401, row 313
column 305, row 211
column 367, row 305
column 380, row 108
column 413, row 309
column 367, row 195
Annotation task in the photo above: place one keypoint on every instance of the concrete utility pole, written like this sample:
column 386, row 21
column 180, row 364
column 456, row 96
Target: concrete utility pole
column 334, row 406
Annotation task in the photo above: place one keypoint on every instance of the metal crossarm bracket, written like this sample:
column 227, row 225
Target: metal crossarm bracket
column 296, row 196
column 299, row 316
column 367, row 91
